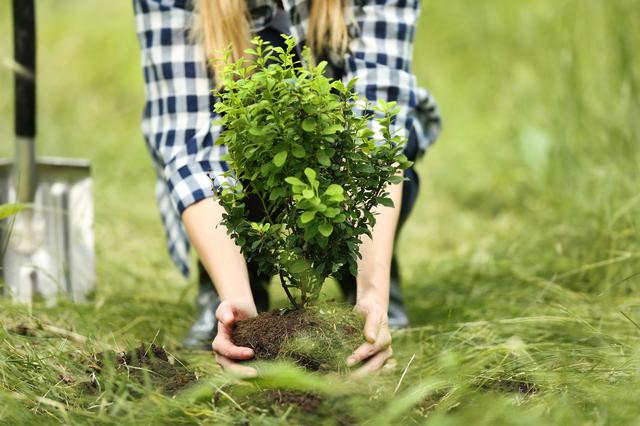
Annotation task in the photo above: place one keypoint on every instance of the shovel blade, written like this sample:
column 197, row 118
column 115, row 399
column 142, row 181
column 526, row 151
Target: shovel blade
column 48, row 249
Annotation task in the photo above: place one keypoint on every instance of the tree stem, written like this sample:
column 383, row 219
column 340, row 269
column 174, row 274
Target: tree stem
column 286, row 290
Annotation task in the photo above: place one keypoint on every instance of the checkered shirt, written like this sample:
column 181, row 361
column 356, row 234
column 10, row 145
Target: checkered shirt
column 178, row 114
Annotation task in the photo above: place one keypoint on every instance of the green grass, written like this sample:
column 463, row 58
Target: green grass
column 521, row 261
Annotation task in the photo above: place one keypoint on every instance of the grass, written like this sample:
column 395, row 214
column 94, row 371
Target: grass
column 521, row 262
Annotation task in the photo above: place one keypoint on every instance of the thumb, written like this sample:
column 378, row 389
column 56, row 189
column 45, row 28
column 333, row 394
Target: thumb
column 225, row 314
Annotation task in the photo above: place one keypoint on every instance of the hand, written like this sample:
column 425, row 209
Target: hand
column 227, row 353
column 377, row 348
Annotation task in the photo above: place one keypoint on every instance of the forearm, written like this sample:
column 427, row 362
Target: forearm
column 374, row 269
column 218, row 253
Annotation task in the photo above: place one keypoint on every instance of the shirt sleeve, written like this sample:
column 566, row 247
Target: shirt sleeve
column 178, row 113
column 380, row 57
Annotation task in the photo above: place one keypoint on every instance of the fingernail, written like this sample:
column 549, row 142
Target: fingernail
column 248, row 352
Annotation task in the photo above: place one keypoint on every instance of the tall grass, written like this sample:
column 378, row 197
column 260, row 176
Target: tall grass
column 521, row 262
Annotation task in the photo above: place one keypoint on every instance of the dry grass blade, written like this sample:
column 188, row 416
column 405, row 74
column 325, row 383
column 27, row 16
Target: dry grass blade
column 403, row 374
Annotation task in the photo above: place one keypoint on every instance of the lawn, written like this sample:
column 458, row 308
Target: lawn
column 521, row 262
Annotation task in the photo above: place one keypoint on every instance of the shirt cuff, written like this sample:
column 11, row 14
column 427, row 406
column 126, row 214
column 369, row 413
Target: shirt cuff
column 196, row 181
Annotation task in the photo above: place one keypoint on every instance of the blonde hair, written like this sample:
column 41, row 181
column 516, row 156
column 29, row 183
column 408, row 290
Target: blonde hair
column 221, row 23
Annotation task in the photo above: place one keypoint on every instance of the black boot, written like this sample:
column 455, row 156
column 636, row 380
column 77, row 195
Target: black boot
column 205, row 327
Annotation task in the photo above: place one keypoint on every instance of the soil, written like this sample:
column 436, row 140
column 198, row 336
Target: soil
column 273, row 335
column 165, row 372
column 520, row 386
column 508, row 385
column 24, row 329
column 306, row 401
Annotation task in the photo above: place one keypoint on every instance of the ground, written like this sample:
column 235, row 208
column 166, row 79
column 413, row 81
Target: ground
column 521, row 262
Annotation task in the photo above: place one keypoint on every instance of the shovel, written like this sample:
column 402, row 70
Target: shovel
column 48, row 248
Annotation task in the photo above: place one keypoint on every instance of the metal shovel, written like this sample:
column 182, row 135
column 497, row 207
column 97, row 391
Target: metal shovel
column 47, row 249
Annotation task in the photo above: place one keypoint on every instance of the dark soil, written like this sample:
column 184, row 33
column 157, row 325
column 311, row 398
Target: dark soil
column 266, row 333
column 165, row 372
column 269, row 334
column 24, row 329
column 306, row 401
column 520, row 386
column 508, row 385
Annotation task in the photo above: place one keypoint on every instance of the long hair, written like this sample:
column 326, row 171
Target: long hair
column 221, row 23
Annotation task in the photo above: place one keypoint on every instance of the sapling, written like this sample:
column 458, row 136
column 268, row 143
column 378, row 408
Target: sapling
column 305, row 169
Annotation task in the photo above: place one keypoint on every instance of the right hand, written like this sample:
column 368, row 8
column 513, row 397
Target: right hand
column 227, row 353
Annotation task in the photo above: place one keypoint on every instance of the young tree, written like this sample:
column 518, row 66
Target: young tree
column 305, row 168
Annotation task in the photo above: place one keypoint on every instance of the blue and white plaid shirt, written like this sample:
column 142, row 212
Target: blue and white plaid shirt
column 178, row 113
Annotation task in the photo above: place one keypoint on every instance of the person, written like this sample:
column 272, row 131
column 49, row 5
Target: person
column 369, row 40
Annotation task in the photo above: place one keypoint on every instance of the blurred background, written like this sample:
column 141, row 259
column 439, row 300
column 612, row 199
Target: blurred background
column 530, row 200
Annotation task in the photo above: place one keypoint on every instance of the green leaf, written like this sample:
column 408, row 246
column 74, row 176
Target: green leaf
column 340, row 218
column 387, row 202
column 310, row 232
column 280, row 158
column 308, row 194
column 321, row 66
column 7, row 210
column 332, row 129
column 323, row 158
column 248, row 153
column 334, row 189
column 366, row 168
column 325, row 229
column 278, row 192
column 307, row 217
column 396, row 179
column 322, row 242
column 370, row 217
column 310, row 174
column 308, row 124
column 294, row 181
column 298, row 151
column 298, row 266
column 331, row 212
column 258, row 131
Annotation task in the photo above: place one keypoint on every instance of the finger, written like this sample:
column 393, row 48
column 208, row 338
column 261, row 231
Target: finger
column 236, row 369
column 373, row 364
column 390, row 365
column 223, row 345
column 367, row 350
column 363, row 352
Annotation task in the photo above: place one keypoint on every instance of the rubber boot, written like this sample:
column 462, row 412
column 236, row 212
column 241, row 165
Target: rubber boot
column 205, row 327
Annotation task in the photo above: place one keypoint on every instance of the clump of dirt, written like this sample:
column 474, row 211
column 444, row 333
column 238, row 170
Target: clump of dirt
column 24, row 329
column 521, row 386
column 164, row 371
column 524, row 387
column 318, row 339
column 307, row 401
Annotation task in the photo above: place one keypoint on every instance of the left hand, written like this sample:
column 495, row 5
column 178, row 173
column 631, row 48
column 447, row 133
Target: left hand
column 377, row 348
